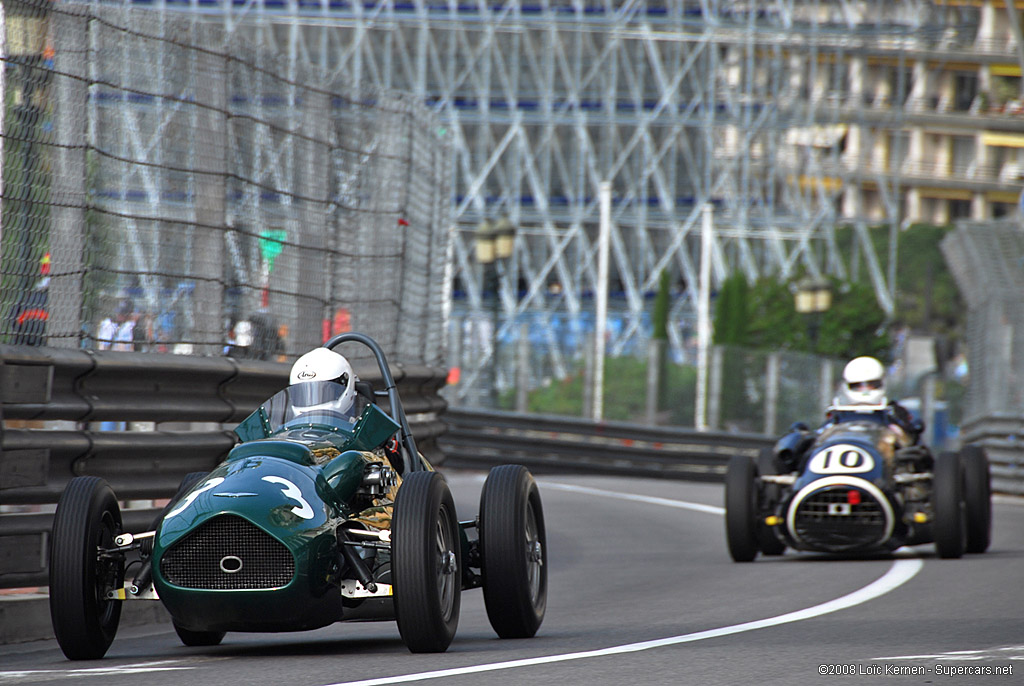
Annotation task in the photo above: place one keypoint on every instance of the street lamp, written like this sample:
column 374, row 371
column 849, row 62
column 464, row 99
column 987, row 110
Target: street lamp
column 494, row 246
column 812, row 298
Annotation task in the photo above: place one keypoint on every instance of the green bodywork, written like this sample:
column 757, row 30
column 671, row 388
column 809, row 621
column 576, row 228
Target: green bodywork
column 297, row 485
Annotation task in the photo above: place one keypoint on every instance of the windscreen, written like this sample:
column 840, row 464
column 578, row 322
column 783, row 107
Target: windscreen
column 314, row 402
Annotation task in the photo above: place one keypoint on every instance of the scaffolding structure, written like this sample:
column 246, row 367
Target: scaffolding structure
column 766, row 112
column 743, row 106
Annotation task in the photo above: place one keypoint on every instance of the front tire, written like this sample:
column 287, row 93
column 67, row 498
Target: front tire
column 87, row 518
column 513, row 546
column 978, row 498
column 740, row 508
column 426, row 563
column 950, row 523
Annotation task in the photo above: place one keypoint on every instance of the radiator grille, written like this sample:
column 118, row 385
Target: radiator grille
column 228, row 553
column 828, row 521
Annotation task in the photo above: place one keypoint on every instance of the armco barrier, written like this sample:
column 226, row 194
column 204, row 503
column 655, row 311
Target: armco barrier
column 1002, row 436
column 79, row 388
column 563, row 444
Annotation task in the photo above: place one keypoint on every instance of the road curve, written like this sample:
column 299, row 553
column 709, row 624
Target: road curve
column 643, row 590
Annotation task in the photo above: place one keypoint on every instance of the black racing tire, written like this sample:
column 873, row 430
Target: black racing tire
column 426, row 563
column 978, row 498
column 513, row 547
column 741, row 508
column 187, row 482
column 199, row 639
column 950, row 517
column 87, row 518
column 767, row 541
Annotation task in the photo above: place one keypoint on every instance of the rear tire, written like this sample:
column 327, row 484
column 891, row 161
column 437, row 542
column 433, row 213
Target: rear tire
column 426, row 556
column 950, row 524
column 513, row 552
column 87, row 518
column 978, row 498
column 740, row 508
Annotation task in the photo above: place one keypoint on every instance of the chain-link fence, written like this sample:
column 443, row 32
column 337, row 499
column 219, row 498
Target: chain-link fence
column 167, row 186
column 987, row 260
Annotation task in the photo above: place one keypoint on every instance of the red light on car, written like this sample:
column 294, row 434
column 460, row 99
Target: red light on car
column 853, row 497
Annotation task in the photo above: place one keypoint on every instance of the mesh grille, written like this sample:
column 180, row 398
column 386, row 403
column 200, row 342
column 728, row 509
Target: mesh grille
column 228, row 553
column 827, row 520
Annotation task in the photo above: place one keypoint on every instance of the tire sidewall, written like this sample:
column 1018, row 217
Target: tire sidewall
column 509, row 494
column 978, row 498
column 87, row 516
column 422, row 499
column 740, row 508
column 949, row 526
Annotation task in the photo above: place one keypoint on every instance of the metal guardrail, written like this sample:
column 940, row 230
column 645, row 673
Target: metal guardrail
column 1002, row 437
column 82, row 387
column 548, row 444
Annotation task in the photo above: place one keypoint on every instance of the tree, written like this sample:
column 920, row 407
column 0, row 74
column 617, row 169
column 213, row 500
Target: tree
column 854, row 325
column 732, row 311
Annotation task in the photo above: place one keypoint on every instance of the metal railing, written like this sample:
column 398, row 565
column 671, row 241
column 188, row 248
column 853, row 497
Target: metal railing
column 54, row 404
column 1002, row 437
column 481, row 439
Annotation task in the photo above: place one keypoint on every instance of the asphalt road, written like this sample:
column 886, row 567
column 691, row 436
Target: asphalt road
column 642, row 591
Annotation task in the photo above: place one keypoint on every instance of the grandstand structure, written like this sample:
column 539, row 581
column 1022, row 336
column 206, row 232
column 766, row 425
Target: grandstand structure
column 787, row 118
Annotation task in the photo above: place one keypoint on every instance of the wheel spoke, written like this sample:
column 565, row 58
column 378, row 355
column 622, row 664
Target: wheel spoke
column 534, row 554
column 445, row 564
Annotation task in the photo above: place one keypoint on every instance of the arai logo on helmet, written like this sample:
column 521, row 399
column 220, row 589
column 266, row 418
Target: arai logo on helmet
column 306, row 375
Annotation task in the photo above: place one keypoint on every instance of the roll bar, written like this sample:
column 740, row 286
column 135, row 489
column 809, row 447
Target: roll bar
column 397, row 412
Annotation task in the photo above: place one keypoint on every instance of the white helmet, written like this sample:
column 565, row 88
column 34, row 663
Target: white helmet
column 321, row 364
column 863, row 382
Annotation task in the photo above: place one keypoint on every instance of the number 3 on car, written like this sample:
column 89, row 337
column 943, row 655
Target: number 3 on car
column 842, row 458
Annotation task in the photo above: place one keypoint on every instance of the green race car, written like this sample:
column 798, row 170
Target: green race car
column 318, row 515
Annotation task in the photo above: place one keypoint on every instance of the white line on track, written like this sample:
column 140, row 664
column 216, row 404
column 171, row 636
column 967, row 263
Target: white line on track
column 141, row 668
column 899, row 573
column 650, row 500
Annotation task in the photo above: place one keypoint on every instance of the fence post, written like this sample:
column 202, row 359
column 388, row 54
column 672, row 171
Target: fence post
column 314, row 163
column 715, row 389
column 655, row 348
column 523, row 368
column 771, row 394
column 212, row 83
column 67, row 237
column 827, row 383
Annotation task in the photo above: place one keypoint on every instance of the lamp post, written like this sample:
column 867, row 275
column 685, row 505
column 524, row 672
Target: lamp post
column 812, row 298
column 494, row 246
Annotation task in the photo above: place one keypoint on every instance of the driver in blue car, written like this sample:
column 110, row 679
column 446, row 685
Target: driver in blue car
column 861, row 394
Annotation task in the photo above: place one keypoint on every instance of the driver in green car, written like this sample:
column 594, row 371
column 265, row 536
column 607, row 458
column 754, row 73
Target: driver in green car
column 323, row 365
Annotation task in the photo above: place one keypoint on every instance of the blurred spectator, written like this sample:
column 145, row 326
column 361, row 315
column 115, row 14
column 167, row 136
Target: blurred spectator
column 29, row 316
column 118, row 333
column 257, row 338
column 124, row 339
column 239, row 340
